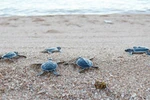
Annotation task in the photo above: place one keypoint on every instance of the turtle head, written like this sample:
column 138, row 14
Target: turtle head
column 78, row 58
column 59, row 48
column 50, row 59
column 16, row 52
column 129, row 50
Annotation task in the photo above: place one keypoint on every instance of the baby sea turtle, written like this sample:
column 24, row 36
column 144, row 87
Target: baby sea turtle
column 49, row 66
column 138, row 50
column 83, row 63
column 52, row 50
column 11, row 55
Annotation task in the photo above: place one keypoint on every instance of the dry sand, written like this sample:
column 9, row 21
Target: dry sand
column 128, row 77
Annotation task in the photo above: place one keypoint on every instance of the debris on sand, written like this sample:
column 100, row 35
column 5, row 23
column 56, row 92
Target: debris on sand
column 108, row 21
column 100, row 85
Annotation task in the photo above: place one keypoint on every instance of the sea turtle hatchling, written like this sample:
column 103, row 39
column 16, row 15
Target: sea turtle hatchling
column 83, row 63
column 52, row 50
column 138, row 50
column 49, row 66
column 11, row 55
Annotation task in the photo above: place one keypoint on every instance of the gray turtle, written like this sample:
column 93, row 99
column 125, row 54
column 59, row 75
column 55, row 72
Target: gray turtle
column 11, row 55
column 138, row 50
column 83, row 63
column 52, row 50
column 49, row 66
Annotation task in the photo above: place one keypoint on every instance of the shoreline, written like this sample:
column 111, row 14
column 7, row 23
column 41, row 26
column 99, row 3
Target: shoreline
column 78, row 35
column 125, row 13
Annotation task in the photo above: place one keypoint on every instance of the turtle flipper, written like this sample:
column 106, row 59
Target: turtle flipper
column 95, row 67
column 40, row 73
column 66, row 63
column 75, row 65
column 130, row 53
column 36, row 65
column 82, row 70
column 50, row 52
column 44, row 51
column 69, row 63
column 22, row 56
column 92, row 58
column 148, row 52
column 55, row 73
column 61, row 62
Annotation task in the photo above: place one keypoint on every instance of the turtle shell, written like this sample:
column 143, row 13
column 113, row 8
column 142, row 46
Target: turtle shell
column 53, row 49
column 84, row 62
column 49, row 66
column 10, row 55
column 140, row 49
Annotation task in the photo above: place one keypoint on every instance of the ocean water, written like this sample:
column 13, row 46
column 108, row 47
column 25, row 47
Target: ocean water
column 54, row 7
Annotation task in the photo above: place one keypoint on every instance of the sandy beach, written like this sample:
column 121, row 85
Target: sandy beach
column 127, row 76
